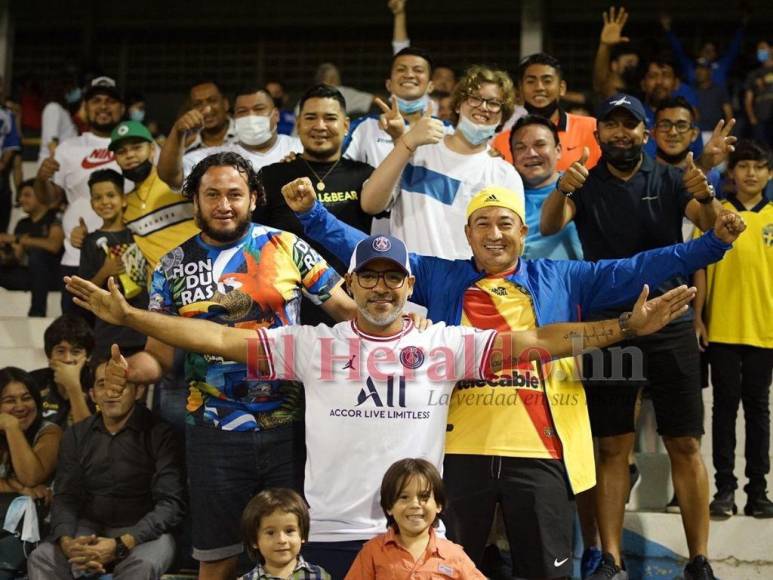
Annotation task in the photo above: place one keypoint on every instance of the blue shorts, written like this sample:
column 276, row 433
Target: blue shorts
column 226, row 469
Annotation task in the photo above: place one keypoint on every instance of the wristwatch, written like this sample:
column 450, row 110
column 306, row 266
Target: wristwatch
column 709, row 198
column 564, row 193
column 625, row 325
column 121, row 550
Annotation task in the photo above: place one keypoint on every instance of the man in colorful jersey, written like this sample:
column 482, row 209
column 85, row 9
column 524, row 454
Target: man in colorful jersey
column 64, row 176
column 376, row 389
column 544, row 438
column 247, row 275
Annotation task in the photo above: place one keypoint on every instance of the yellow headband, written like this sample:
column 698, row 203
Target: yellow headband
column 495, row 196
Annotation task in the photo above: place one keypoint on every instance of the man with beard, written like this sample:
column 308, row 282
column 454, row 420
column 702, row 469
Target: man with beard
column 247, row 275
column 376, row 389
column 64, row 176
column 336, row 181
column 627, row 204
column 256, row 138
column 542, row 86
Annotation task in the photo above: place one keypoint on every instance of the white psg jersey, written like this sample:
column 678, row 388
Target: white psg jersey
column 284, row 145
column 428, row 211
column 78, row 158
column 370, row 401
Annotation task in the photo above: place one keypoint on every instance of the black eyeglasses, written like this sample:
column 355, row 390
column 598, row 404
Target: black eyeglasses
column 492, row 105
column 392, row 278
column 680, row 126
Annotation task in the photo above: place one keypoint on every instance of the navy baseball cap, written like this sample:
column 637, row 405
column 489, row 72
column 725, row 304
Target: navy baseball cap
column 622, row 101
column 380, row 248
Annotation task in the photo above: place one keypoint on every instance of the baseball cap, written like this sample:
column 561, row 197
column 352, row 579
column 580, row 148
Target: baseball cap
column 621, row 101
column 103, row 85
column 380, row 248
column 127, row 130
column 496, row 196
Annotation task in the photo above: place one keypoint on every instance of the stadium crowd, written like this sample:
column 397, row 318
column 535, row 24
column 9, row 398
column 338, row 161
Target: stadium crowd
column 377, row 327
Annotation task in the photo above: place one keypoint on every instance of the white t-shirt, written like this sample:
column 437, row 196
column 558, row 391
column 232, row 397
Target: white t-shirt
column 370, row 143
column 56, row 124
column 78, row 158
column 428, row 212
column 284, row 145
column 374, row 401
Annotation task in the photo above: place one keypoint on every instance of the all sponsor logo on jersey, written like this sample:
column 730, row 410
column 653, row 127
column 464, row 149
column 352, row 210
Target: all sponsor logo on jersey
column 381, row 402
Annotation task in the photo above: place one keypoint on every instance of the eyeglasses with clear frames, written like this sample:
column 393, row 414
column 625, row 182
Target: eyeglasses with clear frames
column 393, row 279
column 492, row 105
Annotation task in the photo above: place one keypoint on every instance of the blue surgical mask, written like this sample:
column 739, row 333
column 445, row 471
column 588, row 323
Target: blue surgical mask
column 763, row 54
column 415, row 106
column 73, row 95
column 137, row 115
column 474, row 133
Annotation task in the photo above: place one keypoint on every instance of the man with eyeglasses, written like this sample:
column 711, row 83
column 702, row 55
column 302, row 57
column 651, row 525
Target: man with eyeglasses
column 429, row 177
column 255, row 136
column 376, row 389
column 627, row 204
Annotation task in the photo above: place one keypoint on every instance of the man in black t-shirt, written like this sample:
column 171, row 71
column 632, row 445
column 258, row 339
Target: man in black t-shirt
column 626, row 204
column 337, row 182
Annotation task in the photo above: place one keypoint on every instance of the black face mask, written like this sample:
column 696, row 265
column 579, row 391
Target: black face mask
column 140, row 173
column 546, row 111
column 674, row 159
column 621, row 158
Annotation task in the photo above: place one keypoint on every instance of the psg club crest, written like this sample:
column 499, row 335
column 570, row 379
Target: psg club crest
column 412, row 357
column 381, row 244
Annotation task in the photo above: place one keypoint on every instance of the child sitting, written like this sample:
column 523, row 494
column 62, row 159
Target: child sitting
column 412, row 496
column 274, row 525
column 111, row 251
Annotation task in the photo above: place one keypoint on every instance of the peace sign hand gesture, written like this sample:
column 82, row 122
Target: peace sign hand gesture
column 391, row 120
column 719, row 146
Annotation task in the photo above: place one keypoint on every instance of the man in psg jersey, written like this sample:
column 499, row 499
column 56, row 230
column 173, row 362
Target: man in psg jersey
column 376, row 389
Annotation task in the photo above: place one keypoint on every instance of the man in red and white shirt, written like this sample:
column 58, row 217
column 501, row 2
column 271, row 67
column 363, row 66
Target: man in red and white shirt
column 65, row 174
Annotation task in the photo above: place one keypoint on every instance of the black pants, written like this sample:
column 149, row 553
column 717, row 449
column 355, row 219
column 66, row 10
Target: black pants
column 742, row 374
column 39, row 277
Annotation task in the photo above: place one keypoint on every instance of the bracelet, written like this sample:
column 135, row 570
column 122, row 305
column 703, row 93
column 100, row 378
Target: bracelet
column 564, row 193
column 706, row 200
column 624, row 320
column 408, row 147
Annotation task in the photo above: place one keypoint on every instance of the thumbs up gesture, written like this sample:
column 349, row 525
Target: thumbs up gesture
column 299, row 194
column 116, row 371
column 191, row 122
column 391, row 120
column 49, row 166
column 574, row 177
column 79, row 233
column 694, row 180
column 426, row 131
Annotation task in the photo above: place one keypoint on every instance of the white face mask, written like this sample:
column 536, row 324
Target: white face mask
column 473, row 132
column 253, row 129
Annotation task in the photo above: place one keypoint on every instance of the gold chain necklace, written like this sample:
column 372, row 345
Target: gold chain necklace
column 321, row 180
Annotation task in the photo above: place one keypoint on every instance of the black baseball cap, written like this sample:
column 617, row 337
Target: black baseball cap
column 622, row 101
column 103, row 85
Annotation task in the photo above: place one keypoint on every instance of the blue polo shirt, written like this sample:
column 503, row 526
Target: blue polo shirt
column 565, row 245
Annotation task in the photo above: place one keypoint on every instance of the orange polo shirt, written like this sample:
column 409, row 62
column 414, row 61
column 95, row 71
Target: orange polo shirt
column 574, row 132
column 383, row 558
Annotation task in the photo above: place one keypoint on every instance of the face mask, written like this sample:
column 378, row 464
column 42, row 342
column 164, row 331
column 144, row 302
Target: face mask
column 415, row 106
column 474, row 133
column 762, row 55
column 621, row 158
column 675, row 159
column 140, row 173
column 137, row 115
column 253, row 129
column 73, row 96
column 546, row 111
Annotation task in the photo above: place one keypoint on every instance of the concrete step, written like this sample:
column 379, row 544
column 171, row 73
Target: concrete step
column 25, row 358
column 16, row 304
column 22, row 332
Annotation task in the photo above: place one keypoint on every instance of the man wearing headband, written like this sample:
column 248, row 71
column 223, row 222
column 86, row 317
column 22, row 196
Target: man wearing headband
column 376, row 389
column 544, row 440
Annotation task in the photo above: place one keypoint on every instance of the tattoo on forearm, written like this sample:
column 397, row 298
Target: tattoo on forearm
column 593, row 334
